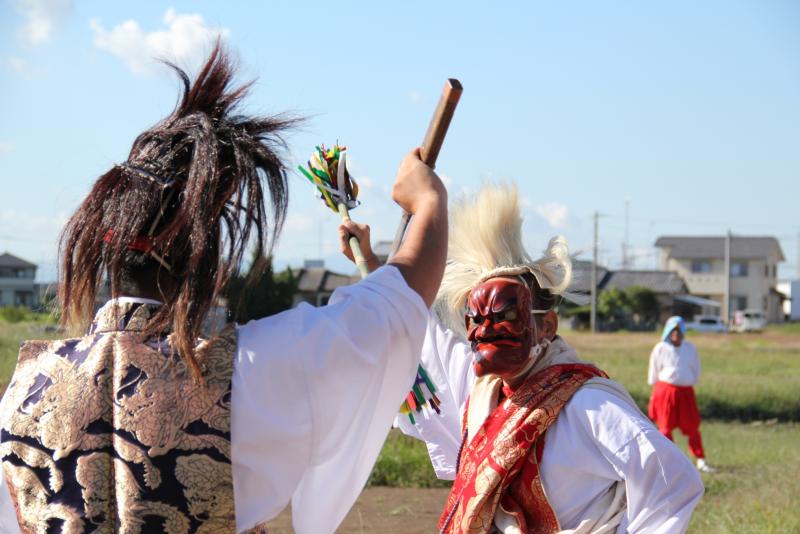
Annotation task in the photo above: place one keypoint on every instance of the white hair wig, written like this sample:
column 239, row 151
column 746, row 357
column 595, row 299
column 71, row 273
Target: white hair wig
column 486, row 242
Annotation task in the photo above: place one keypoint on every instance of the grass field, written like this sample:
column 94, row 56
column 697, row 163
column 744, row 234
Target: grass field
column 749, row 394
column 744, row 376
column 11, row 334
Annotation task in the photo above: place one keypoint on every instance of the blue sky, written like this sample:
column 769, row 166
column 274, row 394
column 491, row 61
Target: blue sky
column 688, row 111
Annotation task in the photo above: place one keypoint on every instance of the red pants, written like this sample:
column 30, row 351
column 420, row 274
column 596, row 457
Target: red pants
column 676, row 407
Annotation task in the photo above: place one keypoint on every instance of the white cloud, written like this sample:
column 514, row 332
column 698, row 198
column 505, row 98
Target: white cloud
column 446, row 180
column 555, row 213
column 42, row 18
column 18, row 65
column 415, row 97
column 185, row 41
column 6, row 147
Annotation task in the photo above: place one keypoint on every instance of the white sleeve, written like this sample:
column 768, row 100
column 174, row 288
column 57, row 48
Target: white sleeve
column 8, row 515
column 314, row 394
column 662, row 486
column 447, row 358
column 652, row 372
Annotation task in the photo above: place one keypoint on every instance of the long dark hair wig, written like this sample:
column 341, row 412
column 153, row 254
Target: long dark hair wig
column 193, row 188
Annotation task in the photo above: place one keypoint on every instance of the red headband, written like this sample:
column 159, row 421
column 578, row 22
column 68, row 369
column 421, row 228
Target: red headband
column 141, row 243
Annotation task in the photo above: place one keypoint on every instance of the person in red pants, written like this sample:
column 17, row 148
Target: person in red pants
column 674, row 370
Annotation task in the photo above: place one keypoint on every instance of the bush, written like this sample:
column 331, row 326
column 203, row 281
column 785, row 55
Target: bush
column 634, row 308
column 259, row 292
column 404, row 462
column 14, row 314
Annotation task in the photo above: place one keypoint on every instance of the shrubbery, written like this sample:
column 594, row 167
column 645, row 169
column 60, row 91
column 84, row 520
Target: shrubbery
column 14, row 314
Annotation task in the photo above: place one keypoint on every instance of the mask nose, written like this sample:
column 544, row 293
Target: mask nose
column 477, row 326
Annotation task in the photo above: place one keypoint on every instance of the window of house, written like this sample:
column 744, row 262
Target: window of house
column 739, row 302
column 23, row 298
column 739, row 268
column 701, row 267
column 774, row 271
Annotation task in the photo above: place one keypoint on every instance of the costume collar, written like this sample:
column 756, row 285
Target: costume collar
column 485, row 392
column 124, row 314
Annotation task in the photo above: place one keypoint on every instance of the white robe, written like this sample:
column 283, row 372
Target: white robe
column 314, row 391
column 599, row 439
column 679, row 366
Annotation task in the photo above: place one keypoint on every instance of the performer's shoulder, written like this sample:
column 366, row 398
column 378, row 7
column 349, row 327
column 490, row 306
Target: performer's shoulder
column 32, row 349
column 604, row 407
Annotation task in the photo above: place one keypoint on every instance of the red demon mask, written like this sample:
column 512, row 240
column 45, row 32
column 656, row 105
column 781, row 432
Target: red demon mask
column 499, row 327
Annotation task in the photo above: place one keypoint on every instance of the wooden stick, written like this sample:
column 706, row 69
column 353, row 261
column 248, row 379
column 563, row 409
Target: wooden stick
column 434, row 137
column 355, row 246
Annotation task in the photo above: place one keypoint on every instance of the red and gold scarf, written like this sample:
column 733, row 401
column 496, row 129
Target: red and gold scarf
column 497, row 469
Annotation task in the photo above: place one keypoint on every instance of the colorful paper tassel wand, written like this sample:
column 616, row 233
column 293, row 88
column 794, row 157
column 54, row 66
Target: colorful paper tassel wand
column 327, row 171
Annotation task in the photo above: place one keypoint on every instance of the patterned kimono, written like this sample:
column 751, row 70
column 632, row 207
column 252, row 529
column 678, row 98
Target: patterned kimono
column 498, row 471
column 111, row 433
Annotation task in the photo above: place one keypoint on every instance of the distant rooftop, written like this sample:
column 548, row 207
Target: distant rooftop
column 707, row 247
column 668, row 282
column 319, row 279
column 13, row 262
column 582, row 276
column 382, row 250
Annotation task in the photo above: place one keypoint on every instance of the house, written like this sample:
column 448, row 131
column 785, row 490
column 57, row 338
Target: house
column 791, row 304
column 382, row 250
column 582, row 277
column 315, row 283
column 668, row 287
column 17, row 286
column 700, row 261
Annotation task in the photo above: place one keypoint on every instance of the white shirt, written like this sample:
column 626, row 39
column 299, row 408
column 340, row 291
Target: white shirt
column 314, row 391
column 597, row 440
column 679, row 366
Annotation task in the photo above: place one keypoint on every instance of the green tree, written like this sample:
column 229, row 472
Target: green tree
column 643, row 304
column 259, row 292
column 613, row 306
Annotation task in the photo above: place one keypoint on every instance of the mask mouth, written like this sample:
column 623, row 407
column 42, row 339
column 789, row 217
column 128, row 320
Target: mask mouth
column 499, row 341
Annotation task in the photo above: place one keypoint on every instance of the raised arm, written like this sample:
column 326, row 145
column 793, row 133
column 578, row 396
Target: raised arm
column 421, row 257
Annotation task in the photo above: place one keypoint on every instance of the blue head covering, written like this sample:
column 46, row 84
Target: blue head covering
column 672, row 323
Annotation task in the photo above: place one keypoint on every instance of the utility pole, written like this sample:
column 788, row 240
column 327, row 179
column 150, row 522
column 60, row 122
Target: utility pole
column 593, row 316
column 727, row 304
column 797, row 258
column 626, row 260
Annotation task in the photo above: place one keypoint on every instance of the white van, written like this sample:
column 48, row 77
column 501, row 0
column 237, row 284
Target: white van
column 749, row 321
column 706, row 323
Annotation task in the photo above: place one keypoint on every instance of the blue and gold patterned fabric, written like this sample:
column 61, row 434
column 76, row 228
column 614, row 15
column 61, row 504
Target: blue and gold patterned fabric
column 111, row 433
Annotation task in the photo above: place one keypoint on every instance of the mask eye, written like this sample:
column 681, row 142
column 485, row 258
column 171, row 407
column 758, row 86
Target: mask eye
column 474, row 318
column 507, row 315
column 510, row 315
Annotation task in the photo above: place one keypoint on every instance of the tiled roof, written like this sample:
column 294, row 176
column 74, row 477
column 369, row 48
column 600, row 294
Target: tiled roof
column 707, row 247
column 13, row 262
column 582, row 276
column 319, row 279
column 668, row 282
